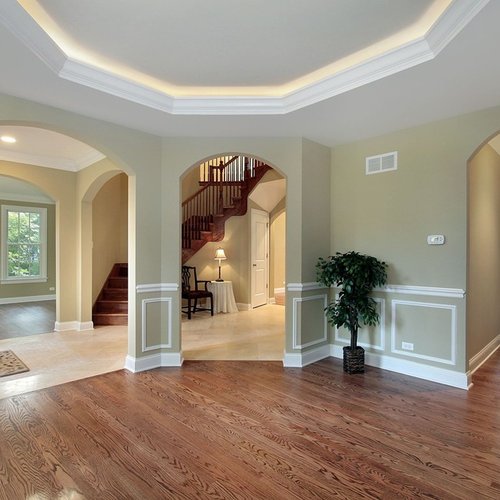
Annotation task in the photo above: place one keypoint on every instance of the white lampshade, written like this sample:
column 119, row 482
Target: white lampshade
column 220, row 255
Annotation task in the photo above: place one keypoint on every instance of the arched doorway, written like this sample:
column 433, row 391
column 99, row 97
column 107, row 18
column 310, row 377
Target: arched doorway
column 71, row 182
column 28, row 260
column 238, row 190
column 483, row 256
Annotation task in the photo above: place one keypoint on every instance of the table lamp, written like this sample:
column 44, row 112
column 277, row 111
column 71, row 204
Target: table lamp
column 220, row 255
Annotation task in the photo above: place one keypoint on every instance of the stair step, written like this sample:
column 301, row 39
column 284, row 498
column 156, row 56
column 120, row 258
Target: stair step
column 110, row 319
column 111, row 306
column 115, row 294
column 117, row 282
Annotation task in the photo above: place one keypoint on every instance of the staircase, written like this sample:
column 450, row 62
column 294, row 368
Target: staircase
column 111, row 306
column 225, row 184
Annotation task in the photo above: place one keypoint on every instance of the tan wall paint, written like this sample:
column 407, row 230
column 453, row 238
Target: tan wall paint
column 277, row 255
column 32, row 289
column 389, row 215
column 483, row 287
column 109, row 230
column 135, row 152
column 61, row 187
column 236, row 267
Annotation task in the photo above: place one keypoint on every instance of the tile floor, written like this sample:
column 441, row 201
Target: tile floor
column 58, row 357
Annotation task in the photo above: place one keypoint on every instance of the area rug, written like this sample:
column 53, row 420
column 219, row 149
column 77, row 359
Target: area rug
column 10, row 364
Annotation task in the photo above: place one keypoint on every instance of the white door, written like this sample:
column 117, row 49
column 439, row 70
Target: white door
column 259, row 257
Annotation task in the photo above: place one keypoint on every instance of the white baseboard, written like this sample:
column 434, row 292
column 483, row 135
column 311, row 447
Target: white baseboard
column 135, row 365
column 32, row 298
column 476, row 361
column 66, row 326
column 243, row 307
column 405, row 367
column 292, row 360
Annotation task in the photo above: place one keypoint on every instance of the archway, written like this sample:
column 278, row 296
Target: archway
column 236, row 180
column 28, row 260
column 483, row 256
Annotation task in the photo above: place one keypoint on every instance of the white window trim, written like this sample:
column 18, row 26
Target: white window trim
column 42, row 278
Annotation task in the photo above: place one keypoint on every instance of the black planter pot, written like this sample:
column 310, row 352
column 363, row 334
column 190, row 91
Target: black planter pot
column 354, row 360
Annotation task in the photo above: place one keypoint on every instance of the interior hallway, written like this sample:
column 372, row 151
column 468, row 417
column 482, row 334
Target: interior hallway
column 59, row 357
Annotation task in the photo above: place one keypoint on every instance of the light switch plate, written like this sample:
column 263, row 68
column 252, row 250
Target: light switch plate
column 435, row 239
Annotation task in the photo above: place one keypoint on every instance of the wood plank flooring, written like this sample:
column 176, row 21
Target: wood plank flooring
column 254, row 430
column 25, row 319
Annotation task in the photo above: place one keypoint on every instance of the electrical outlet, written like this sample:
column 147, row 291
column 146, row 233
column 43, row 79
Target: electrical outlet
column 408, row 346
column 52, row 288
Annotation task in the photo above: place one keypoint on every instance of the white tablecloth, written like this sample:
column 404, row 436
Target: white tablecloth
column 223, row 296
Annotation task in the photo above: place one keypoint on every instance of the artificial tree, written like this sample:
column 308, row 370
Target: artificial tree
column 356, row 275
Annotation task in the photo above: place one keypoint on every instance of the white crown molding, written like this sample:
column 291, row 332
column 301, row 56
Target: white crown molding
column 451, row 22
column 89, row 159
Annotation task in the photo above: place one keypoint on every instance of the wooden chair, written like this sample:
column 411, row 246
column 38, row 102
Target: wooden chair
column 191, row 292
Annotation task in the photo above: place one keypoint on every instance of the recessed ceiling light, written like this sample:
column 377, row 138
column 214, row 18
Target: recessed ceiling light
column 8, row 138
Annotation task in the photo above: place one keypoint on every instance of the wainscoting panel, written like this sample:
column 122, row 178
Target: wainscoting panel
column 155, row 312
column 430, row 328
column 369, row 336
column 311, row 307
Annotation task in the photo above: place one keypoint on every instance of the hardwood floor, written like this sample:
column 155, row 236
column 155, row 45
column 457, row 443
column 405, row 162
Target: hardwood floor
column 253, row 430
column 25, row 319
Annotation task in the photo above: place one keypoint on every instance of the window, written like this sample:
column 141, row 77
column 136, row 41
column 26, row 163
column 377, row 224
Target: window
column 24, row 244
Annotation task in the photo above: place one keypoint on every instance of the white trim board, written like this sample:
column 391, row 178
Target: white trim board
column 431, row 291
column 32, row 298
column 157, row 287
column 484, row 354
column 299, row 360
column 152, row 361
column 406, row 367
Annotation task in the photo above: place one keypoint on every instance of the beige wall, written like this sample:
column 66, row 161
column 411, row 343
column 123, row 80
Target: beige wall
column 389, row 215
column 109, row 230
column 61, row 187
column 483, row 286
column 17, row 290
column 277, row 253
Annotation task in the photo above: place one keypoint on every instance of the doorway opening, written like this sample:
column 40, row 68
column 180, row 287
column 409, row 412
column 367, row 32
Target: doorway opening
column 250, row 229
column 483, row 252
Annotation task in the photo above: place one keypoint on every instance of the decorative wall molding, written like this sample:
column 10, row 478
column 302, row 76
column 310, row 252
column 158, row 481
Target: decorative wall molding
column 277, row 101
column 145, row 303
column 157, row 287
column 298, row 360
column 304, row 287
column 32, row 298
column 431, row 291
column 295, row 331
column 453, row 331
column 381, row 327
column 482, row 356
column 411, row 368
column 152, row 361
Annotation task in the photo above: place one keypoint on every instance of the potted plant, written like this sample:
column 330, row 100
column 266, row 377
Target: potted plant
column 356, row 275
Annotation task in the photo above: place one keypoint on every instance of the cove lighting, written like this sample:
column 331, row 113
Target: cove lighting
column 8, row 138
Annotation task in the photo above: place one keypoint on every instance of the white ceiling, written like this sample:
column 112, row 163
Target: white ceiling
column 183, row 48
column 45, row 148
